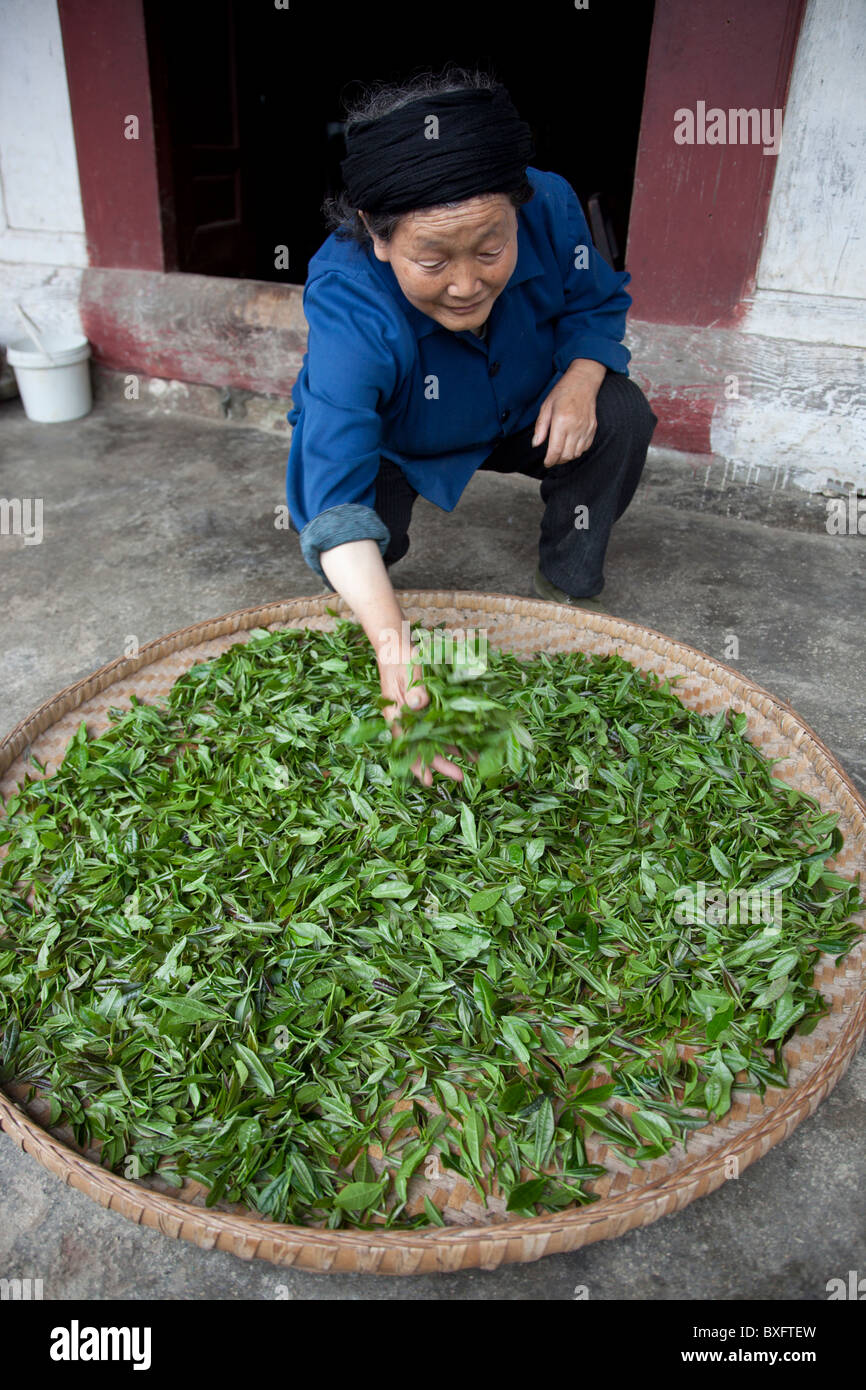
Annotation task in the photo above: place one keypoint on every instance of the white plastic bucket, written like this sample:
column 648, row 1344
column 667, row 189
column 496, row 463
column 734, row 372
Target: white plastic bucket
column 53, row 391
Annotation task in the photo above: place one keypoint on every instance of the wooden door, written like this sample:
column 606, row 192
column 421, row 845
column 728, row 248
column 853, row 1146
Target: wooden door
column 194, row 82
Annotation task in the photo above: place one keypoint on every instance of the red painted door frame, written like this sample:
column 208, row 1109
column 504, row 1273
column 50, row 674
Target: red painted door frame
column 699, row 210
column 105, row 50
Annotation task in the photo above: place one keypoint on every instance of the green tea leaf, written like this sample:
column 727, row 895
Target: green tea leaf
column 473, row 1137
column 359, row 1196
column 544, row 1130
column 467, row 827
column 526, row 1194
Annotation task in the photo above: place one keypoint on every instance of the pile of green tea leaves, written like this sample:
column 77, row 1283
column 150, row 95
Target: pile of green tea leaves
column 238, row 944
column 452, row 720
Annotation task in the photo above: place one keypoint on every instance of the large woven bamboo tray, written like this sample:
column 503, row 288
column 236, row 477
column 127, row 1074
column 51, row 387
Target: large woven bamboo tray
column 474, row 1236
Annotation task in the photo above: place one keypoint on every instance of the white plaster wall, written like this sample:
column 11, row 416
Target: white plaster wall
column 42, row 240
column 803, row 409
column 49, row 294
column 811, row 281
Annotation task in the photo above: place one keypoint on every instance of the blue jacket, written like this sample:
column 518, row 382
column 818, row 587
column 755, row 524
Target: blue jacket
column 382, row 379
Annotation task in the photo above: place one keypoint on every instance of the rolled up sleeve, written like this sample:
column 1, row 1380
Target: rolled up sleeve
column 348, row 521
column 593, row 322
column 350, row 371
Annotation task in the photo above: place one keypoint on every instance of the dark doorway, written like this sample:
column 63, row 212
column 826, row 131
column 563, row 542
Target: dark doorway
column 248, row 108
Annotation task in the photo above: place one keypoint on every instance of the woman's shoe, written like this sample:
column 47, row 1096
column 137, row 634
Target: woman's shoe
column 545, row 589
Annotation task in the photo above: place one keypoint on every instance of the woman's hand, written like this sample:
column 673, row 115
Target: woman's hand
column 358, row 574
column 568, row 412
column 394, row 680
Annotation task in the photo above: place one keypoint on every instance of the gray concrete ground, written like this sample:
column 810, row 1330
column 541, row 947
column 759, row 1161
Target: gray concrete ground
column 151, row 525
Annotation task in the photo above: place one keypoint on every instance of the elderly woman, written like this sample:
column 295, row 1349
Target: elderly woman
column 459, row 318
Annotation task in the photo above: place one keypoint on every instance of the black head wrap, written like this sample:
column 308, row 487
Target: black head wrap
column 481, row 146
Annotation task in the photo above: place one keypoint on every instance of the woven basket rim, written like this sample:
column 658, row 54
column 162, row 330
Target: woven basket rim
column 402, row 1251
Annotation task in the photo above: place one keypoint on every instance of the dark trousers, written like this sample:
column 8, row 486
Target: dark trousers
column 572, row 544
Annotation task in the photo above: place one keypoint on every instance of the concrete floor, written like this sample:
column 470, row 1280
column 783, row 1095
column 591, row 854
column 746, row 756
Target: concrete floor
column 153, row 524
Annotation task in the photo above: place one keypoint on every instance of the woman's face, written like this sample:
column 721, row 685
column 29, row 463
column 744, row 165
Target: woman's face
column 451, row 263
